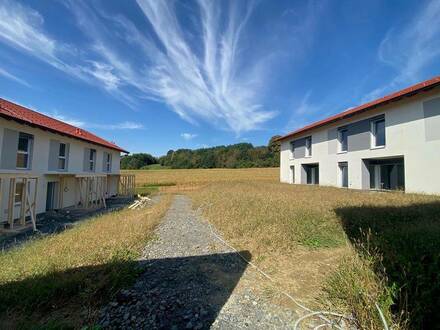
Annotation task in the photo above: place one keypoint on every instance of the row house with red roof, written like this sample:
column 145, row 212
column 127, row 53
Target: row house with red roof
column 392, row 143
column 46, row 164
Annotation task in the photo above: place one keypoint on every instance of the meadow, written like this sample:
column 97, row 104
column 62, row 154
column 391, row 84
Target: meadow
column 333, row 248
column 61, row 280
column 336, row 249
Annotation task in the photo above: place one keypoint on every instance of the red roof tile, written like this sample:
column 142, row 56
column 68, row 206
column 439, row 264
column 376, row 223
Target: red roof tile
column 24, row 115
column 407, row 92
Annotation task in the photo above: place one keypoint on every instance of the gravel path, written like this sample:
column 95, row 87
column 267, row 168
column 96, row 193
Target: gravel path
column 193, row 281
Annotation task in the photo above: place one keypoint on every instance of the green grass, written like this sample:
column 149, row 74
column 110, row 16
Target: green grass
column 152, row 188
column 63, row 278
column 154, row 167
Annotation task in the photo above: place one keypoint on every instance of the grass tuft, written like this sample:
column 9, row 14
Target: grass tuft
column 63, row 278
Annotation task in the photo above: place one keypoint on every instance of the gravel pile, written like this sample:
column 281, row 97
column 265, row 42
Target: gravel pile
column 192, row 281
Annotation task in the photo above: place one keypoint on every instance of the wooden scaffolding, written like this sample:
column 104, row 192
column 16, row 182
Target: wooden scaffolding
column 127, row 185
column 92, row 190
column 27, row 203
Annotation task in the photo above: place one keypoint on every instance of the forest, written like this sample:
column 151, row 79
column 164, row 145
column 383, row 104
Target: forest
column 240, row 155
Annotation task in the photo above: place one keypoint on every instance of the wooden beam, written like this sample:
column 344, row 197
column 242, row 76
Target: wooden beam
column 32, row 205
column 23, row 201
column 11, row 202
column 34, row 210
column 1, row 199
column 61, row 193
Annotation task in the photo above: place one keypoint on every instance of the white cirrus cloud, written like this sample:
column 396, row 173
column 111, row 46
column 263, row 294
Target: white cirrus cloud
column 125, row 125
column 188, row 136
column 302, row 113
column 7, row 74
column 206, row 70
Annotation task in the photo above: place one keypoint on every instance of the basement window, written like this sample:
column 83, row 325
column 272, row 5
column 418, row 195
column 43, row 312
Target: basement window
column 62, row 157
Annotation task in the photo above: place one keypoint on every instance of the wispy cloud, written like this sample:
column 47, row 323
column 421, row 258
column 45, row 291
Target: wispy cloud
column 302, row 113
column 126, row 125
column 188, row 136
column 204, row 71
column 66, row 119
column 9, row 75
column 208, row 84
column 206, row 79
column 410, row 49
column 22, row 28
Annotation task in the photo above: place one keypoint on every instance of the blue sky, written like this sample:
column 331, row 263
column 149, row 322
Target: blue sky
column 159, row 75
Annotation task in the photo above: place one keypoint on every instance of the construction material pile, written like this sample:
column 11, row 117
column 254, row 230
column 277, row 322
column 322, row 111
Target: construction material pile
column 140, row 202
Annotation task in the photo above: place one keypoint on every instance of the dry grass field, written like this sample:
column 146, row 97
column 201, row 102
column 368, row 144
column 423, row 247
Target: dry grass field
column 336, row 249
column 343, row 249
column 187, row 180
column 61, row 280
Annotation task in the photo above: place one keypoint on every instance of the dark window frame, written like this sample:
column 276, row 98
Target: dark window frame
column 26, row 153
column 308, row 140
column 342, row 147
column 62, row 158
column 375, row 132
column 92, row 160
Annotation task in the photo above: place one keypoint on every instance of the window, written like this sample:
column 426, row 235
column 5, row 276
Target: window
column 378, row 133
column 342, row 138
column 108, row 162
column 23, row 150
column 343, row 174
column 308, row 146
column 92, row 155
column 312, row 173
column 388, row 174
column 18, row 192
column 62, row 157
column 292, row 148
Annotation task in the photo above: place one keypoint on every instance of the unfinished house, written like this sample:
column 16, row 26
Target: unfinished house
column 392, row 143
column 46, row 164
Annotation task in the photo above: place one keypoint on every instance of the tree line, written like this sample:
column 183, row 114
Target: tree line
column 240, row 155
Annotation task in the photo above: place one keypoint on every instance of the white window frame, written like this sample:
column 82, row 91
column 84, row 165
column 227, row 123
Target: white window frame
column 309, row 147
column 60, row 157
column 27, row 152
column 108, row 162
column 374, row 133
column 340, row 144
column 92, row 155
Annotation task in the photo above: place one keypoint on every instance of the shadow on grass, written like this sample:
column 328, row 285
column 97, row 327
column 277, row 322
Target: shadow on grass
column 168, row 288
column 408, row 238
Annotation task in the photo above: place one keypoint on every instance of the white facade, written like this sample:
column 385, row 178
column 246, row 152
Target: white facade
column 39, row 164
column 412, row 135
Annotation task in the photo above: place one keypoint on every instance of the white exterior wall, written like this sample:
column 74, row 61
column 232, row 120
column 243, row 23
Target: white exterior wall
column 405, row 131
column 40, row 165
